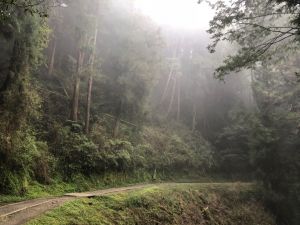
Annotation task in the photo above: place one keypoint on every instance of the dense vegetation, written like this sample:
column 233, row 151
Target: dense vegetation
column 94, row 90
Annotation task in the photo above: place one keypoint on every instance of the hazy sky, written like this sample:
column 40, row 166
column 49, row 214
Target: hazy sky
column 187, row 14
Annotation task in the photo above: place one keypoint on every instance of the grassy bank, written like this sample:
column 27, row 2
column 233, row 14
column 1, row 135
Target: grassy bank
column 212, row 204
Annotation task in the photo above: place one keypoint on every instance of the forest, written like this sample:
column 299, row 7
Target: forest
column 104, row 93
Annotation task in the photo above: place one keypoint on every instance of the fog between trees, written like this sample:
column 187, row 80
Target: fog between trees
column 96, row 88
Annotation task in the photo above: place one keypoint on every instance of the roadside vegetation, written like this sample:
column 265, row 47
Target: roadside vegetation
column 211, row 204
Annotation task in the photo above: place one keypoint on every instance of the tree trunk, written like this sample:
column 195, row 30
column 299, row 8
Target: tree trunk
column 17, row 62
column 88, row 105
column 52, row 59
column 116, row 127
column 194, row 117
column 90, row 83
column 178, row 99
column 170, row 74
column 14, row 84
column 117, row 120
column 75, row 100
column 172, row 96
column 76, row 90
column 167, row 84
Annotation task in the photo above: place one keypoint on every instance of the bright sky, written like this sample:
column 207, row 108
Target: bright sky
column 186, row 14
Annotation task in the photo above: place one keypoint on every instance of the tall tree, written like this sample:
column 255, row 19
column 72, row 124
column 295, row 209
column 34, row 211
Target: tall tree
column 19, row 100
column 92, row 71
column 76, row 89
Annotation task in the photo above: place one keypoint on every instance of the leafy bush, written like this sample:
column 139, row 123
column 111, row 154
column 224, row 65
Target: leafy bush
column 75, row 152
column 165, row 150
column 116, row 155
column 155, row 149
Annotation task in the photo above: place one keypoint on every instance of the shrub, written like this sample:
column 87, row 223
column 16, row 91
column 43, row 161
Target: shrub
column 116, row 155
column 75, row 152
column 165, row 150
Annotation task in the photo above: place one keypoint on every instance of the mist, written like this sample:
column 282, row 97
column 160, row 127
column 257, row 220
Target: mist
column 178, row 111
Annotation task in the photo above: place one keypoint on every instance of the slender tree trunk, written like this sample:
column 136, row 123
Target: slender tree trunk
column 88, row 105
column 173, row 96
column 90, row 83
column 76, row 90
column 116, row 127
column 170, row 74
column 52, row 59
column 75, row 100
column 178, row 99
column 167, row 84
column 117, row 120
column 194, row 123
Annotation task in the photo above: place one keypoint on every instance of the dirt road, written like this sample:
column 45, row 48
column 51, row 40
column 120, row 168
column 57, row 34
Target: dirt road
column 21, row 212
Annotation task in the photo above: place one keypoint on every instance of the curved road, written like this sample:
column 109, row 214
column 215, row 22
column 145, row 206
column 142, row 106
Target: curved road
column 22, row 212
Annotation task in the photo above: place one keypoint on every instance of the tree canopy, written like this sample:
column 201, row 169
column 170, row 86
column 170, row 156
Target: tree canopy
column 260, row 28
